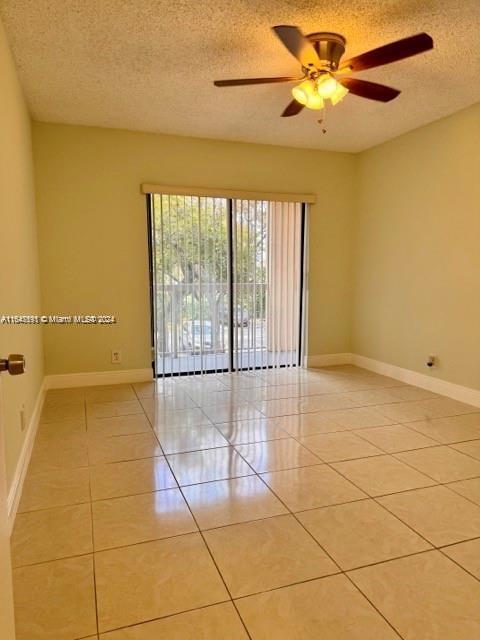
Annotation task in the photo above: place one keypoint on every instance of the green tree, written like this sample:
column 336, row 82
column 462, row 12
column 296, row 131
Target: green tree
column 191, row 263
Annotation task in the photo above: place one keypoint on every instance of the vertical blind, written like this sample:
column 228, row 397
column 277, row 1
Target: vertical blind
column 226, row 283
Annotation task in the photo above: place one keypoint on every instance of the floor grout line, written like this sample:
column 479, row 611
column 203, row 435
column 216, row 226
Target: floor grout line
column 432, row 546
column 208, row 549
column 374, row 498
column 165, row 617
column 93, row 547
column 325, row 551
column 441, row 550
column 320, row 463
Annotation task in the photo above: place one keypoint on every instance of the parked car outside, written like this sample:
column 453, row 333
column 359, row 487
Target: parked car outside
column 197, row 335
column 241, row 317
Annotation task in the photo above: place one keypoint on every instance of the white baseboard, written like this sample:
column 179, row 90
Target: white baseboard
column 328, row 359
column 431, row 383
column 15, row 491
column 94, row 378
column 436, row 385
column 59, row 382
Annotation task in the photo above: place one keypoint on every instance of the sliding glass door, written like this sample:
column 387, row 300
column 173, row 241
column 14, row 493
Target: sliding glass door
column 226, row 283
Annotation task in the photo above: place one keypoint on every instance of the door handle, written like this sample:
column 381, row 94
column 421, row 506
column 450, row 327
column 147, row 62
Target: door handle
column 14, row 364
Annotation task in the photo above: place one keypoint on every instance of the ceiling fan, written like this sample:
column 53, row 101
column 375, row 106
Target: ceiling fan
column 320, row 55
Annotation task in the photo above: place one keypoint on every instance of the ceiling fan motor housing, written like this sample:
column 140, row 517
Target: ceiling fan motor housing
column 330, row 47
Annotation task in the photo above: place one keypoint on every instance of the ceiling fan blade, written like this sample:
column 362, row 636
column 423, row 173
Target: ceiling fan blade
column 298, row 45
column 292, row 109
column 244, row 81
column 370, row 90
column 391, row 52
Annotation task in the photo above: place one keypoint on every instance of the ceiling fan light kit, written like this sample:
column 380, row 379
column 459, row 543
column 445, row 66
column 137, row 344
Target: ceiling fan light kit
column 313, row 93
column 307, row 95
column 320, row 55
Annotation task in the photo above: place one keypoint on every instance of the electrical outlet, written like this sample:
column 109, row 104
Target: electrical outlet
column 22, row 418
column 116, row 356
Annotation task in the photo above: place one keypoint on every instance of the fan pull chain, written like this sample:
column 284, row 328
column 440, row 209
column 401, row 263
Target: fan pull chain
column 323, row 119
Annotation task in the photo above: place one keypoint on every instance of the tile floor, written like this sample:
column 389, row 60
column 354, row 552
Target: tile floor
column 332, row 503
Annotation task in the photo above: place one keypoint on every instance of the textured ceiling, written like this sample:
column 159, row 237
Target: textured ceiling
column 149, row 65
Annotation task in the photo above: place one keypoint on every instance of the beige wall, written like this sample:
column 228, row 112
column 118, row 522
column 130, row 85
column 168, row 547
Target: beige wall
column 417, row 250
column 19, row 293
column 19, row 277
column 92, row 230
